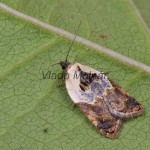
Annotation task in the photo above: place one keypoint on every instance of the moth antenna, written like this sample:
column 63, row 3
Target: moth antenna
column 55, row 64
column 73, row 41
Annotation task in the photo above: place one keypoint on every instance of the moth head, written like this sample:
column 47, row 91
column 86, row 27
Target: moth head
column 64, row 64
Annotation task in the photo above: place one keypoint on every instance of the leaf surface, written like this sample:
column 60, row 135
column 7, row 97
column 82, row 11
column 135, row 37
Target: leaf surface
column 37, row 113
column 144, row 7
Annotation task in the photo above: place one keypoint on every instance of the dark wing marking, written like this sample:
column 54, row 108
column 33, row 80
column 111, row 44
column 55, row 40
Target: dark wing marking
column 100, row 116
column 121, row 104
column 96, row 83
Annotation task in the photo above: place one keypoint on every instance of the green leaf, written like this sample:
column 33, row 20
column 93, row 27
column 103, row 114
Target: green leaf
column 144, row 7
column 37, row 113
column 113, row 19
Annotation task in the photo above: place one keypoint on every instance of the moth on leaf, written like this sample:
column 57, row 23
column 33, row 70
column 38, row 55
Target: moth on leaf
column 103, row 101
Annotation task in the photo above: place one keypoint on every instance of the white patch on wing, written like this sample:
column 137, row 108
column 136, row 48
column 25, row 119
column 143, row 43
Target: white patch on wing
column 97, row 89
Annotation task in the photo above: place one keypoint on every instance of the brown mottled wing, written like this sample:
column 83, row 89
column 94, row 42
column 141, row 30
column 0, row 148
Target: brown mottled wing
column 99, row 115
column 121, row 104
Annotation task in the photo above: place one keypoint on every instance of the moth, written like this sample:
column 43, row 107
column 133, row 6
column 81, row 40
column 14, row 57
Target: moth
column 103, row 101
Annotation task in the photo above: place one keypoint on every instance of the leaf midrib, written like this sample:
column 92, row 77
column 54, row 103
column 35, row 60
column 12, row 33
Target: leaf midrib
column 79, row 40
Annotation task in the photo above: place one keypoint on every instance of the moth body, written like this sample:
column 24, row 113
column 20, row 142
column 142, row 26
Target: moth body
column 104, row 102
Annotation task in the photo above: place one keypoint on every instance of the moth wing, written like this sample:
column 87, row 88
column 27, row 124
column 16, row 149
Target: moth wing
column 82, row 89
column 94, row 108
column 99, row 115
column 73, row 81
column 121, row 104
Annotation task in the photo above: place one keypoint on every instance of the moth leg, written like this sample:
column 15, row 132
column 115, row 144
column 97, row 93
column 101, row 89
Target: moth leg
column 105, row 72
column 74, row 106
column 93, row 126
column 61, row 83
